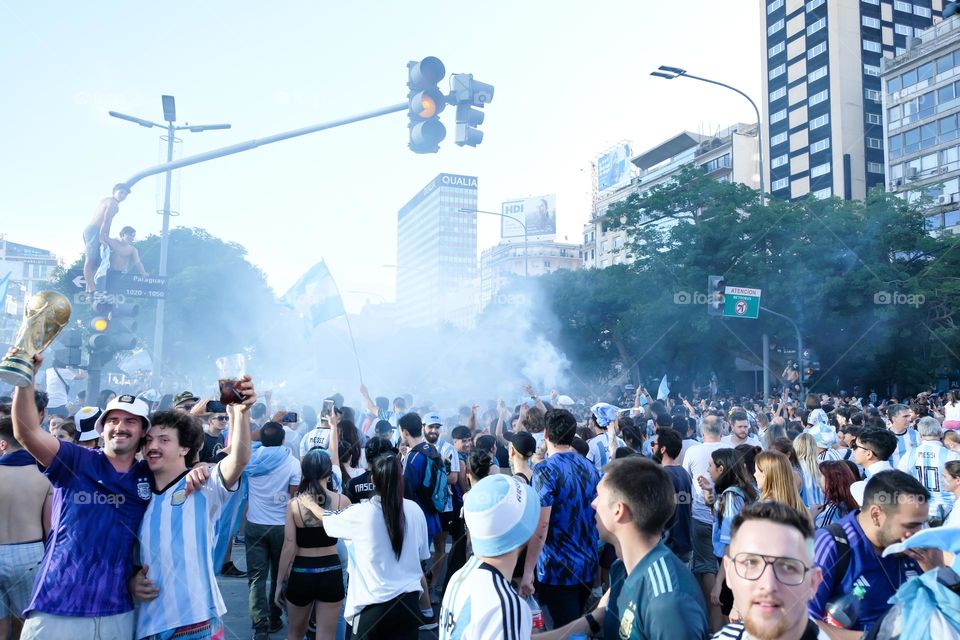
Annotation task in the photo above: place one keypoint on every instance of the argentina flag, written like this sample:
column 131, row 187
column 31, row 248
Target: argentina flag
column 315, row 296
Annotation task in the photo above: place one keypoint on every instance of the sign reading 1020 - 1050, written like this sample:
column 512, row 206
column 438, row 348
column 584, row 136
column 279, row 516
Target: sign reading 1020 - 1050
column 741, row 302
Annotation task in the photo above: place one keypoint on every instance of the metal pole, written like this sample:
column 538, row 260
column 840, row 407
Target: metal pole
column 164, row 242
column 755, row 110
column 259, row 142
column 766, row 367
column 526, row 255
column 799, row 342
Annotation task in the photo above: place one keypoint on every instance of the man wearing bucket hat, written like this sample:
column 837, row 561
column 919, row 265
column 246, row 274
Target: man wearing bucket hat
column 81, row 589
column 501, row 514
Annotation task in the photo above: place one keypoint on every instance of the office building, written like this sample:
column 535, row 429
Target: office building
column 437, row 254
column 30, row 271
column 922, row 100
column 730, row 155
column 507, row 261
column 822, row 103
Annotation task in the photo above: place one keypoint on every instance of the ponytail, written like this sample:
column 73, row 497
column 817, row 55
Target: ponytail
column 388, row 481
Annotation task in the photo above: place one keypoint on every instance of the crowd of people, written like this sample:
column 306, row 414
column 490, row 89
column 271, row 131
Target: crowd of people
column 821, row 516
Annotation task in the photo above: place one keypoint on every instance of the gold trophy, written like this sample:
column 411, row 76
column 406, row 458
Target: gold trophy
column 45, row 315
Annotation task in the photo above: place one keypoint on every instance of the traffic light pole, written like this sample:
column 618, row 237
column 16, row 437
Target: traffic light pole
column 162, row 272
column 796, row 329
column 258, row 142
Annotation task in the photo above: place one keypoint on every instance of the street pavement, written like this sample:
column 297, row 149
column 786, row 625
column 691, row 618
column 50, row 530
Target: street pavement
column 236, row 622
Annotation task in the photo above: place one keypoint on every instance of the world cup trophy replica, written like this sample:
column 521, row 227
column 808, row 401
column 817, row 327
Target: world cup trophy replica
column 45, row 315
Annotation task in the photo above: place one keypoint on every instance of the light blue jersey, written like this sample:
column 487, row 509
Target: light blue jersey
column 176, row 543
column 906, row 441
column 480, row 604
column 599, row 454
column 925, row 463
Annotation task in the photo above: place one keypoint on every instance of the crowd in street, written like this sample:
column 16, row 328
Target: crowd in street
column 804, row 516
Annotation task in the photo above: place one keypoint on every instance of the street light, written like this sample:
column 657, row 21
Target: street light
column 170, row 115
column 796, row 330
column 669, row 73
column 526, row 255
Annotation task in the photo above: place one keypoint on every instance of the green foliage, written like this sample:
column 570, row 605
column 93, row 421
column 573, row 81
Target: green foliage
column 874, row 295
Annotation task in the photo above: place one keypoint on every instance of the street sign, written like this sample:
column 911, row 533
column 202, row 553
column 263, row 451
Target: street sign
column 741, row 302
column 137, row 286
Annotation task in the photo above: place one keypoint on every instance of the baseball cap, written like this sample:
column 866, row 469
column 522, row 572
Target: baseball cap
column 501, row 513
column 183, row 397
column 523, row 442
column 85, row 420
column 432, row 418
column 130, row 404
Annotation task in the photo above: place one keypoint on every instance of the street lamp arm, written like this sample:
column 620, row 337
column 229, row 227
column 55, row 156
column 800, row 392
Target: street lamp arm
column 197, row 128
column 727, row 86
column 135, row 120
column 259, row 142
column 526, row 253
column 494, row 213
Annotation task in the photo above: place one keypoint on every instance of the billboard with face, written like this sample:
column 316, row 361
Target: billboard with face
column 538, row 213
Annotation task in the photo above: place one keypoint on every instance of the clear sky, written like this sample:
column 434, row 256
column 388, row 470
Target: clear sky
column 571, row 79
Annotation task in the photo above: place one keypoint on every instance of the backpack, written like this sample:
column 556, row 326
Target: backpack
column 843, row 553
column 434, row 490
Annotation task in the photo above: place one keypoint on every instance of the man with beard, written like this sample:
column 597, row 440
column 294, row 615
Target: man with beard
column 770, row 569
column 100, row 496
column 895, row 506
column 667, row 446
column 177, row 583
column 449, row 520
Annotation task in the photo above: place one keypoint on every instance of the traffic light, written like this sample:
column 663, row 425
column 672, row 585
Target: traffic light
column 68, row 354
column 114, row 331
column 426, row 101
column 467, row 93
column 716, row 286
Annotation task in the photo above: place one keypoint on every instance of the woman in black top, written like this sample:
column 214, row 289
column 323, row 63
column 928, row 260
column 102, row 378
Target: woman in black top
column 310, row 572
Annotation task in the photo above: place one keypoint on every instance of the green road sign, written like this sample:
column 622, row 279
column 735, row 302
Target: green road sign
column 740, row 302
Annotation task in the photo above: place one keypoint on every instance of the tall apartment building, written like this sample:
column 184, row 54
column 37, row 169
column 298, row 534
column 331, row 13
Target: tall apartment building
column 437, row 254
column 822, row 103
column 30, row 270
column 730, row 155
column 922, row 100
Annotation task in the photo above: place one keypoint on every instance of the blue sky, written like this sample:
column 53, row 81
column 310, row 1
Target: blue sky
column 571, row 79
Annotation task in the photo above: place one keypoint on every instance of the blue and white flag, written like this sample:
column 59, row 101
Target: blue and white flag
column 4, row 286
column 664, row 389
column 315, row 295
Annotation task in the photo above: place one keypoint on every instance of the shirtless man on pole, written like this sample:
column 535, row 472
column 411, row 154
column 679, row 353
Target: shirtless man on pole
column 108, row 207
column 123, row 254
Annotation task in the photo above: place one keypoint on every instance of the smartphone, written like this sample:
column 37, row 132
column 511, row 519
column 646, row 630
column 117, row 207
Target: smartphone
column 290, row 418
column 215, row 406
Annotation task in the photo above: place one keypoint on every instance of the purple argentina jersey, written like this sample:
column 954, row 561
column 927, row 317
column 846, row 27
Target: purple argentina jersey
column 96, row 516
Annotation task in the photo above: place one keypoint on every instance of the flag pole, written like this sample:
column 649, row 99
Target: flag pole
column 346, row 317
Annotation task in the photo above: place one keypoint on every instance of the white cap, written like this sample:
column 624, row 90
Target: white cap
column 130, row 404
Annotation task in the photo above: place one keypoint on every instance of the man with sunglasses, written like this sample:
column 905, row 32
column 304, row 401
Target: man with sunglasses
column 769, row 567
column 216, row 418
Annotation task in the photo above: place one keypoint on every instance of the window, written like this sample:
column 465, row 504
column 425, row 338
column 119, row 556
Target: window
column 778, row 116
column 948, row 128
column 902, row 29
column 820, row 169
column 816, row 26
column 871, row 70
column 871, row 1
column 911, row 141
column 816, row 74
column 874, row 118
column 777, row 71
column 820, row 145
column 900, row 5
column 893, row 84
column 922, row 11
column 604, row 246
column 813, row 4
column 928, row 135
column 822, row 194
column 870, row 45
column 817, row 50
column 617, row 242
column 779, row 161
column 777, row 94
column 875, row 167
column 924, row 72
column 872, row 94
column 872, row 23
column 946, row 94
column 895, row 146
column 777, row 48
column 773, row 6
column 817, row 98
column 780, row 138
column 874, row 143
column 776, row 26
column 819, row 121
column 782, row 183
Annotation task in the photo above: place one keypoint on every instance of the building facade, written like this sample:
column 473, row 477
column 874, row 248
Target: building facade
column 506, row 261
column 730, row 155
column 30, row 270
column 437, row 254
column 822, row 102
column 922, row 100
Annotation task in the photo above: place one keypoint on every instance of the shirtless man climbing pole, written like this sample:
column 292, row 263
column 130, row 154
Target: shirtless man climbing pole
column 107, row 208
column 123, row 254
